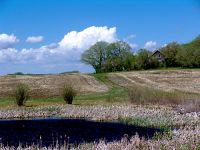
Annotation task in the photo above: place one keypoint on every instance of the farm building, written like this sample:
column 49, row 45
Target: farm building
column 158, row 55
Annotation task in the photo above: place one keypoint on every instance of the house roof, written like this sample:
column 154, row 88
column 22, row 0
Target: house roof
column 157, row 51
column 161, row 56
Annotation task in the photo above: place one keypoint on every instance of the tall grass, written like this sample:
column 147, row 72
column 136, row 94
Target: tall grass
column 144, row 95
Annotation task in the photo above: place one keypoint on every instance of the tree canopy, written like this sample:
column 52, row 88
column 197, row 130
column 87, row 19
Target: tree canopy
column 118, row 56
column 106, row 57
column 95, row 56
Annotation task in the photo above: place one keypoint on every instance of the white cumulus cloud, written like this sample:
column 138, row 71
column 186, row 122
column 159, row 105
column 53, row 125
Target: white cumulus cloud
column 34, row 39
column 7, row 41
column 150, row 45
column 68, row 49
column 84, row 39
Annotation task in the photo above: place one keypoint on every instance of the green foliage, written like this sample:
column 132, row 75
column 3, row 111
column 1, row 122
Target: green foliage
column 189, row 55
column 70, row 72
column 145, row 60
column 183, row 60
column 21, row 94
column 142, row 59
column 95, row 56
column 117, row 56
column 19, row 73
column 68, row 93
column 111, row 57
column 116, row 93
column 102, row 77
column 154, row 63
column 170, row 52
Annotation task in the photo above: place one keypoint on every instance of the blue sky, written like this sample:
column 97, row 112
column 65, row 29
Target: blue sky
column 36, row 36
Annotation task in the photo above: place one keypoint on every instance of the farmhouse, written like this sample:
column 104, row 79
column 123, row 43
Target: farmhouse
column 158, row 55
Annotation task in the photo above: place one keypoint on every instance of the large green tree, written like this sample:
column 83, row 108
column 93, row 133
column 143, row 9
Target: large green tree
column 119, row 56
column 111, row 57
column 95, row 56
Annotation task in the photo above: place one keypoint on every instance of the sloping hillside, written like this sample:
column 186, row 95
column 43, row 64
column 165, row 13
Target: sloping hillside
column 183, row 80
column 49, row 85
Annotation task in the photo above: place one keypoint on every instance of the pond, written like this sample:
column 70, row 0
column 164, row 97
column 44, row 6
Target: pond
column 47, row 132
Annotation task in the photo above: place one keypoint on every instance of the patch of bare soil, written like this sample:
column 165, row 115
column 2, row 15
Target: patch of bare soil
column 50, row 85
column 187, row 81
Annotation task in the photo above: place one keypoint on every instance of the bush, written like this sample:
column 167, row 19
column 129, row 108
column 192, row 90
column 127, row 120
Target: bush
column 21, row 94
column 68, row 93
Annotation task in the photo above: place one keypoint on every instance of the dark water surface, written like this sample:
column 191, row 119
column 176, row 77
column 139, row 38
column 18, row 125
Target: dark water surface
column 47, row 132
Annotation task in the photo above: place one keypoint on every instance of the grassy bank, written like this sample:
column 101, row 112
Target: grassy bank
column 114, row 95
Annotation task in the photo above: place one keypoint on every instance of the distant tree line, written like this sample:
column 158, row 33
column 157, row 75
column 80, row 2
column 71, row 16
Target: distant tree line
column 118, row 56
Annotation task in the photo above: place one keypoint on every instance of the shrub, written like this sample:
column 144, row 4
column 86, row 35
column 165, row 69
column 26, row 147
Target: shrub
column 68, row 93
column 21, row 94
